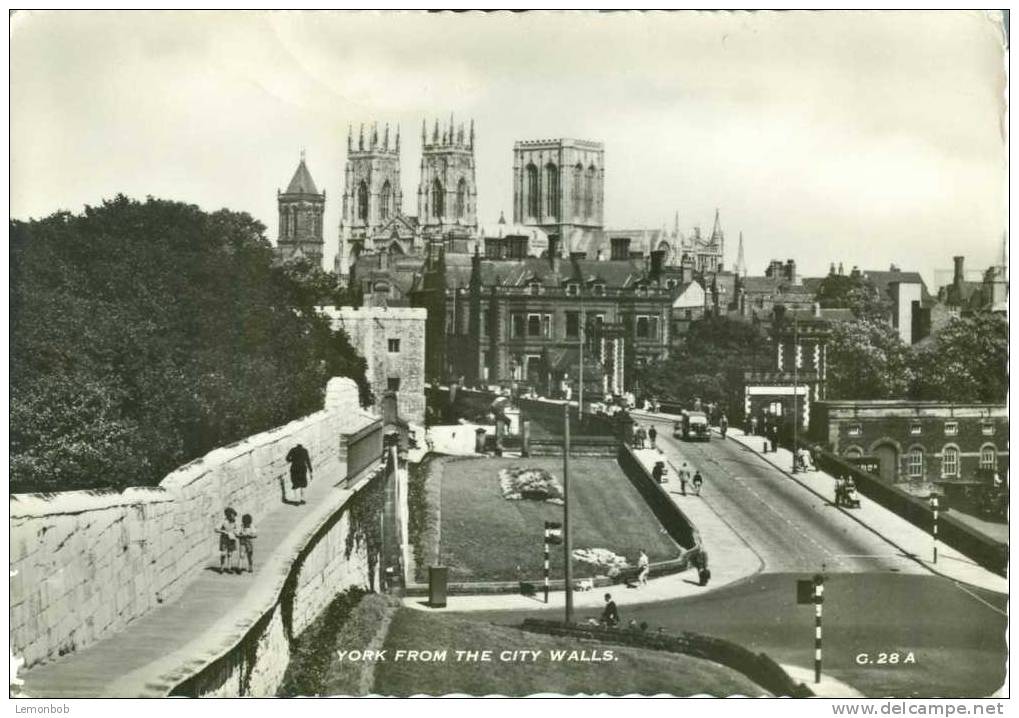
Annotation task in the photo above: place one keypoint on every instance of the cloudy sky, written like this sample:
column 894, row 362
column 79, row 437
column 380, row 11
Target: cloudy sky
column 867, row 137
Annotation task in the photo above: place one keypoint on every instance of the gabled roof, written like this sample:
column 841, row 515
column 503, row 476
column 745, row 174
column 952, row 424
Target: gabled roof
column 302, row 183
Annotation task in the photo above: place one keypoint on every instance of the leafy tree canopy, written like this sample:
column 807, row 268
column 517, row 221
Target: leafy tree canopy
column 966, row 361
column 855, row 293
column 868, row 360
column 144, row 334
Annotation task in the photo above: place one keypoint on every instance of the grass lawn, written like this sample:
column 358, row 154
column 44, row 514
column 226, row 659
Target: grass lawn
column 484, row 537
column 635, row 670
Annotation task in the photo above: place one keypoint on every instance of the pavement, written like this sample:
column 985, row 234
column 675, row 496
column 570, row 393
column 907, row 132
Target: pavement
column 213, row 611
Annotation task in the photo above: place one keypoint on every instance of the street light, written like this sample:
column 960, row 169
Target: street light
column 796, row 387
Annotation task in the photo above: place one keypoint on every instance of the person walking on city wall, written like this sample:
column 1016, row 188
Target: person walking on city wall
column 300, row 470
column 684, row 476
column 227, row 540
column 246, row 537
column 723, row 425
column 700, row 562
column 652, row 434
column 697, row 481
column 610, row 616
column 643, row 568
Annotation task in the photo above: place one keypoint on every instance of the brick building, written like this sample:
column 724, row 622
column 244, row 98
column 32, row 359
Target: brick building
column 918, row 441
column 392, row 342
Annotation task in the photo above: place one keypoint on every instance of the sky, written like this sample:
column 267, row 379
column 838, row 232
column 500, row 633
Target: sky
column 870, row 138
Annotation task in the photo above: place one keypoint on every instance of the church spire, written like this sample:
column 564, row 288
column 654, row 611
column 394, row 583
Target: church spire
column 716, row 231
column 741, row 265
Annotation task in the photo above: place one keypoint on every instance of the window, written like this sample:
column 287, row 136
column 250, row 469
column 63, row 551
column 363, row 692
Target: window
column 599, row 290
column 535, row 288
column 642, row 291
column 461, row 198
column 578, row 189
column 950, row 462
column 393, row 383
column 951, row 428
column 485, row 319
column 572, row 325
column 671, row 284
column 915, row 428
column 534, row 325
column 688, row 313
column 518, row 325
column 647, row 327
column 385, row 200
column 552, row 190
column 362, row 201
column 642, row 327
column 394, row 346
column 572, row 290
column 915, row 463
column 438, row 200
column 987, row 428
column 988, row 458
column 546, row 326
column 855, row 430
column 589, row 192
column 533, row 196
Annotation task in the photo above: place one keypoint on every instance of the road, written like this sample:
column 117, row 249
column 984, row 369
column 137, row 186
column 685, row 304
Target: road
column 949, row 639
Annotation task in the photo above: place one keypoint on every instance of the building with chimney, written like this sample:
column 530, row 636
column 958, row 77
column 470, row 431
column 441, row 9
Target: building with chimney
column 300, row 218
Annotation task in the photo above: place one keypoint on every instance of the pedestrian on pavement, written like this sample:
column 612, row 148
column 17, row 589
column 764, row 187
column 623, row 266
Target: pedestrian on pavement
column 610, row 616
column 300, row 470
column 697, row 481
column 227, row 540
column 723, row 425
column 643, row 568
column 652, row 434
column 641, row 434
column 246, row 536
column 658, row 472
column 753, row 426
column 684, row 476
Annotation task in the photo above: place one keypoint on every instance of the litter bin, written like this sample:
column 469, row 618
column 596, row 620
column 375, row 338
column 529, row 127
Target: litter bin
column 437, row 577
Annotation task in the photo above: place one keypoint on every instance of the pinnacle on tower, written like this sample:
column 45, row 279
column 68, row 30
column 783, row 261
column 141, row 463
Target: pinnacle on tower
column 472, row 133
column 424, row 133
column 375, row 135
column 360, row 138
column 675, row 224
column 450, row 128
column 350, row 137
column 435, row 133
column 716, row 231
column 741, row 265
column 385, row 138
column 398, row 139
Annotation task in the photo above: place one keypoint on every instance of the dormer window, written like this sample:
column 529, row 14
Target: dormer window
column 599, row 290
column 572, row 290
column 535, row 288
column 642, row 291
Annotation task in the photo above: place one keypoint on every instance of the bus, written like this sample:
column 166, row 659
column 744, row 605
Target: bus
column 695, row 426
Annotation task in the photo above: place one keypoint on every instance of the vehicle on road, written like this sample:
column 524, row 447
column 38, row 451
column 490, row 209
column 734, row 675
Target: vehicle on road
column 695, row 426
column 845, row 494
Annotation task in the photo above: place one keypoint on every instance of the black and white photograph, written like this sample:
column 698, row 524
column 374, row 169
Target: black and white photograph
column 412, row 353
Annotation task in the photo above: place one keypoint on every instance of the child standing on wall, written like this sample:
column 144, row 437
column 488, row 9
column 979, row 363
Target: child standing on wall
column 227, row 540
column 246, row 536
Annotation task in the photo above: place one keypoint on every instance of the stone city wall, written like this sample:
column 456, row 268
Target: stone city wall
column 86, row 563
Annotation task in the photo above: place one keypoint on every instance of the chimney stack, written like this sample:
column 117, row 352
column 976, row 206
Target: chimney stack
column 657, row 261
column 957, row 278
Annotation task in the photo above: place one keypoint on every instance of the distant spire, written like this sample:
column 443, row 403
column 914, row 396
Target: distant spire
column 424, row 133
column 360, row 138
column 502, row 217
column 741, row 265
column 716, row 231
column 350, row 138
column 675, row 224
column 398, row 139
column 302, row 154
column 472, row 134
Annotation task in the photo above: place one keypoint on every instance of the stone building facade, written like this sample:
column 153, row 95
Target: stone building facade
column 300, row 218
column 559, row 186
column 447, row 191
column 392, row 342
column 918, row 441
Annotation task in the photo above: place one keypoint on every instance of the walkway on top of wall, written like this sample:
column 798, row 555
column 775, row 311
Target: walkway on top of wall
column 154, row 652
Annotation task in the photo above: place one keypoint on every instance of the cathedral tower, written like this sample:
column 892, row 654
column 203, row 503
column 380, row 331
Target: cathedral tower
column 300, row 218
column 372, row 194
column 447, row 192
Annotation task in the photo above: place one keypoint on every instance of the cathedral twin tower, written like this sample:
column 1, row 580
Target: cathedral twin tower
column 372, row 206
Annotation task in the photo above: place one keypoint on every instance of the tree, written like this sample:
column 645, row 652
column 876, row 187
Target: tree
column 144, row 335
column 867, row 360
column 710, row 363
column 967, row 361
column 853, row 292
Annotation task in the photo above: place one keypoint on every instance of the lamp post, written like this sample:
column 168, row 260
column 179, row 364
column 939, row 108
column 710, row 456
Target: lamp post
column 796, row 388
column 580, row 380
column 567, row 537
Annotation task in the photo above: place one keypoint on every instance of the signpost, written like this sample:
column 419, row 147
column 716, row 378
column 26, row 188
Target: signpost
column 807, row 592
column 553, row 535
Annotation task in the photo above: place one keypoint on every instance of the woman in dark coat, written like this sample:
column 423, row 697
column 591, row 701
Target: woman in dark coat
column 300, row 469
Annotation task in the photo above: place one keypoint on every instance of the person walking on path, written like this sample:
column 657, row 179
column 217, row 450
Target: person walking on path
column 753, row 426
column 643, row 568
column 723, row 425
column 684, row 476
column 610, row 616
column 300, row 470
column 227, row 540
column 245, row 537
column 697, row 481
column 652, row 434
column 700, row 562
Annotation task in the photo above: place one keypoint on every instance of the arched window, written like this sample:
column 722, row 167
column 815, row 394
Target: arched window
column 915, row 463
column 552, row 190
column 949, row 462
column 461, row 198
column 988, row 457
column 385, row 200
column 285, row 222
column 437, row 199
column 293, row 220
column 578, row 190
column 533, row 197
column 362, row 201
column 589, row 192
